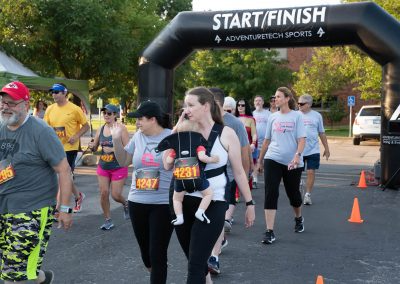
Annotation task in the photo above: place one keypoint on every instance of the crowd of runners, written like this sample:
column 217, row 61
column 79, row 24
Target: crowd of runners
column 187, row 177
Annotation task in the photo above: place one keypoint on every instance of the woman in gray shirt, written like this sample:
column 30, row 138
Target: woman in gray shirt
column 281, row 157
column 148, row 198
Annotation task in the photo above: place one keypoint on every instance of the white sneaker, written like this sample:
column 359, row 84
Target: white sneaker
column 307, row 199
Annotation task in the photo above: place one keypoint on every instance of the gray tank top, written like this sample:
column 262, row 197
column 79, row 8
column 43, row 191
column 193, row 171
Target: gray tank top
column 107, row 160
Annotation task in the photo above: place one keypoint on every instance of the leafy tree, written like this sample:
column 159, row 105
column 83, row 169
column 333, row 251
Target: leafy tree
column 170, row 8
column 241, row 73
column 332, row 68
column 336, row 112
column 99, row 41
column 323, row 74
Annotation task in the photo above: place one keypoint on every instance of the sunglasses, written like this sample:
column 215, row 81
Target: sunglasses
column 228, row 110
column 301, row 104
column 271, row 100
column 10, row 104
column 241, row 105
column 56, row 92
column 107, row 113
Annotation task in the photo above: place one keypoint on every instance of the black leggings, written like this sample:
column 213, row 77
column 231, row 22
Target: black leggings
column 153, row 229
column 273, row 173
column 197, row 238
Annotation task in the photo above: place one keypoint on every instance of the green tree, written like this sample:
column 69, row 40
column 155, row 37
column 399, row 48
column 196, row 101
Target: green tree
column 336, row 112
column 323, row 74
column 332, row 68
column 99, row 41
column 241, row 73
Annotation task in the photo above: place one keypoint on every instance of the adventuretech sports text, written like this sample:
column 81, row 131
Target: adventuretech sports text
column 265, row 19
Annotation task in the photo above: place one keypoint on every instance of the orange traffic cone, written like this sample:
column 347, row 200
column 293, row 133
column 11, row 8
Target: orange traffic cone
column 355, row 213
column 320, row 280
column 362, row 183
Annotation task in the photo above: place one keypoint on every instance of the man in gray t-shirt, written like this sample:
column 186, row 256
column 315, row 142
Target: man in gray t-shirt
column 31, row 156
column 261, row 117
column 234, row 123
column 311, row 155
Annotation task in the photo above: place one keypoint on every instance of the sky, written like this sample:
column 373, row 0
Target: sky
column 220, row 5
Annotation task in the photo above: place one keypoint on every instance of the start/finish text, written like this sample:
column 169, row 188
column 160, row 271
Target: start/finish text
column 264, row 19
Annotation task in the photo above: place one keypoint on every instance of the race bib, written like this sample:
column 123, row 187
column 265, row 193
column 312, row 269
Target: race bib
column 107, row 157
column 186, row 168
column 7, row 171
column 147, row 179
column 60, row 131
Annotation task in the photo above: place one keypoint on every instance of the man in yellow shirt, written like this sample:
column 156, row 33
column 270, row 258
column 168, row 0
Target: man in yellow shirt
column 69, row 123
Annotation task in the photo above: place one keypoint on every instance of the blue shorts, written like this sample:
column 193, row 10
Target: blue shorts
column 312, row 161
column 256, row 153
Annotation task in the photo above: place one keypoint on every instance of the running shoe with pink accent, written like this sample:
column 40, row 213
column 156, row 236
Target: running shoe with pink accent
column 78, row 202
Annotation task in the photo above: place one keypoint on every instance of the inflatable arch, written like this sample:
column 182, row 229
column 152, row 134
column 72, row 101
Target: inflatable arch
column 364, row 24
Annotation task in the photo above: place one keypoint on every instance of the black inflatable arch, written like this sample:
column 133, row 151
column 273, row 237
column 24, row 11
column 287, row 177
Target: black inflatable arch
column 364, row 24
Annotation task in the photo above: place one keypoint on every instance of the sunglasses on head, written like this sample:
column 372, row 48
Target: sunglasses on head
column 241, row 105
column 107, row 113
column 301, row 104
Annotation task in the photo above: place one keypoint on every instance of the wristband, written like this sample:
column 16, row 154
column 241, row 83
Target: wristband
column 172, row 154
column 65, row 209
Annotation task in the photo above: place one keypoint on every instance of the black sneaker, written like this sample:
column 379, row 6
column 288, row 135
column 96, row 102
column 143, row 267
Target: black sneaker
column 269, row 237
column 49, row 277
column 213, row 265
column 299, row 227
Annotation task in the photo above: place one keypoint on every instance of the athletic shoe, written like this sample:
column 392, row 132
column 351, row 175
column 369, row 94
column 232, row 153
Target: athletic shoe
column 126, row 211
column 227, row 226
column 299, row 227
column 49, row 277
column 307, row 199
column 269, row 237
column 213, row 265
column 108, row 225
column 224, row 243
column 78, row 202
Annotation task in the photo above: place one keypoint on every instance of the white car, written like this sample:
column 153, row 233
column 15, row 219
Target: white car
column 367, row 124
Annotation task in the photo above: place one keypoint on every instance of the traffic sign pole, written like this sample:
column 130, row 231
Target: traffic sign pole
column 351, row 101
column 351, row 111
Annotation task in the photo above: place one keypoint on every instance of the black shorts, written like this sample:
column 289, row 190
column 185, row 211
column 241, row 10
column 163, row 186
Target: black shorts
column 71, row 157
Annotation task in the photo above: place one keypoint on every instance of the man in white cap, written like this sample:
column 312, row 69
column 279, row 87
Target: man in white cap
column 31, row 157
column 69, row 123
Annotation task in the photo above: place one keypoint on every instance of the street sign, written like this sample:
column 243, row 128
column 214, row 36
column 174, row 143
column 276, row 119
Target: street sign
column 99, row 103
column 351, row 101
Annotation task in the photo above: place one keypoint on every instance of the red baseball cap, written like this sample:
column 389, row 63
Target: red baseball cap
column 16, row 90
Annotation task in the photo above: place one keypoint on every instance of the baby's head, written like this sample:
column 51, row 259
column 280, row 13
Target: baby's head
column 187, row 125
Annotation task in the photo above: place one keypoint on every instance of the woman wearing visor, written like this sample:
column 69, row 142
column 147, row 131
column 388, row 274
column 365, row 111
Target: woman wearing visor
column 109, row 172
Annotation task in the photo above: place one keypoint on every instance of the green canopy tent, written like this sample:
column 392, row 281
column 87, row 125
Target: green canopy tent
column 13, row 70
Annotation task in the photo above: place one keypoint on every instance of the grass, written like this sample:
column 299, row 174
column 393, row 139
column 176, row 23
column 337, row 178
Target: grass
column 340, row 131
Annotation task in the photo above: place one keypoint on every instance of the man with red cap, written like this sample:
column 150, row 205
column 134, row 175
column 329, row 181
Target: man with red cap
column 28, row 148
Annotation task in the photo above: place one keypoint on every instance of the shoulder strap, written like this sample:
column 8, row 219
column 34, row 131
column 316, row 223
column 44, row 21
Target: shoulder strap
column 215, row 132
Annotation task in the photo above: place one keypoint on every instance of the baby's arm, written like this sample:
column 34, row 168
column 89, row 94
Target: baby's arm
column 201, row 154
column 171, row 157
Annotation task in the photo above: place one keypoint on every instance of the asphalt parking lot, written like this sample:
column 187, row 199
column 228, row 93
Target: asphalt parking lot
column 340, row 251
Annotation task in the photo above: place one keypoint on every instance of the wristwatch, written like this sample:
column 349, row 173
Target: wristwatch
column 298, row 154
column 251, row 202
column 65, row 209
